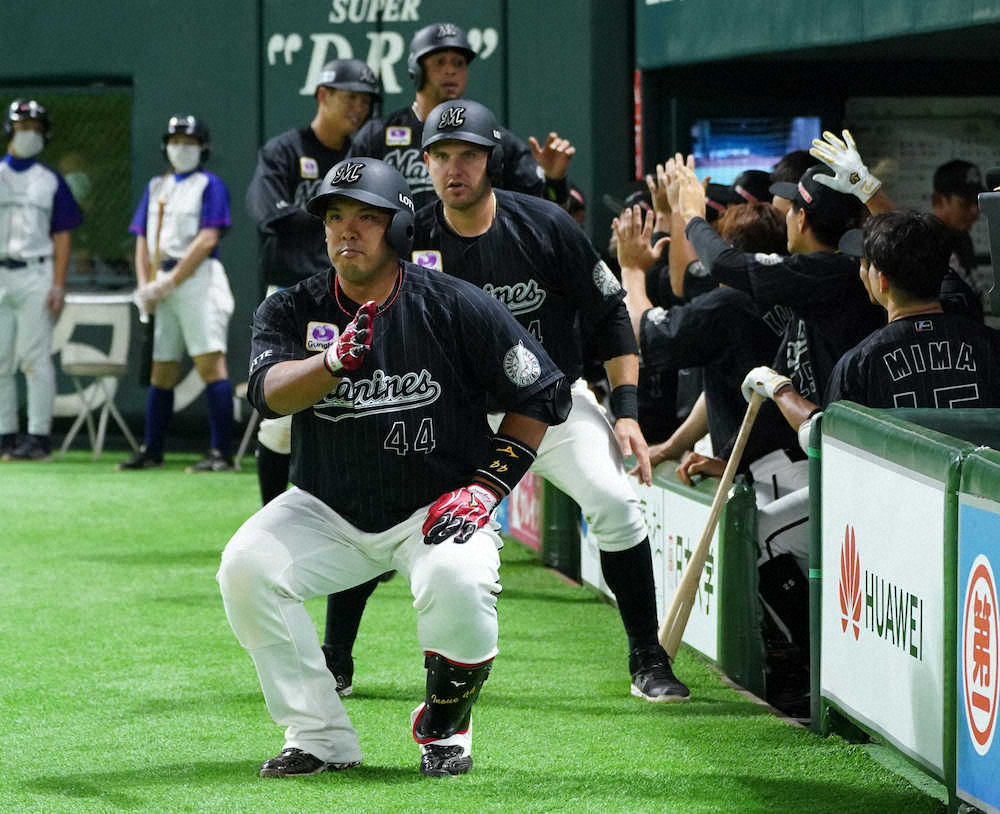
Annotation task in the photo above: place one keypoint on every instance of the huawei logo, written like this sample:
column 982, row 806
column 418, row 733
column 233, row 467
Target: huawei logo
column 850, row 584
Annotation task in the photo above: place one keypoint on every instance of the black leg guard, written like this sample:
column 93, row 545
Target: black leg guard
column 629, row 574
column 452, row 689
column 784, row 588
column 272, row 473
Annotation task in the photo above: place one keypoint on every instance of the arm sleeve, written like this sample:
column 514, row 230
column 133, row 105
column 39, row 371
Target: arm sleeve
column 521, row 172
column 66, row 213
column 509, row 362
column 271, row 341
column 215, row 205
column 726, row 264
column 138, row 224
column 592, row 286
column 269, row 198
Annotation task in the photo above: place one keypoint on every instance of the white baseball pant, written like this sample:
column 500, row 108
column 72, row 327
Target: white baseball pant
column 297, row 547
column 26, row 342
column 195, row 315
column 581, row 457
column 782, row 490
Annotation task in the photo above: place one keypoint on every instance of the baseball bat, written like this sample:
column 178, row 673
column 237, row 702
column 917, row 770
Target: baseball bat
column 672, row 627
column 145, row 318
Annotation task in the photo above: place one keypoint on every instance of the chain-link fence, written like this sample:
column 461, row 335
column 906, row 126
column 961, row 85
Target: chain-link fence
column 91, row 147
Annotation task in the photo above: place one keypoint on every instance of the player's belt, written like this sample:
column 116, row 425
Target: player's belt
column 10, row 263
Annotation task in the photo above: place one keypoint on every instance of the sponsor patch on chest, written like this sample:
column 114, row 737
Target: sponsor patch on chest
column 398, row 136
column 428, row 258
column 308, row 167
column 320, row 335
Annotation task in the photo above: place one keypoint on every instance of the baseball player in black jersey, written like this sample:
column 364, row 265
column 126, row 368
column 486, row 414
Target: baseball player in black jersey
column 530, row 255
column 438, row 64
column 290, row 168
column 925, row 356
column 388, row 369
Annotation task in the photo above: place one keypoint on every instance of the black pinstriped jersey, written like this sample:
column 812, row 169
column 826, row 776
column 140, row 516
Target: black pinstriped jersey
column 410, row 423
column 538, row 262
column 927, row 360
column 290, row 168
column 396, row 140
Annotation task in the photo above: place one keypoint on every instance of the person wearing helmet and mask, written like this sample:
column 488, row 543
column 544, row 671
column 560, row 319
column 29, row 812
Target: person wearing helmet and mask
column 388, row 370
column 178, row 224
column 438, row 64
column 37, row 214
column 290, row 168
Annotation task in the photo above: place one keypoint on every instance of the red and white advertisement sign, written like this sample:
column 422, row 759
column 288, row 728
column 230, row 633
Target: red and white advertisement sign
column 980, row 656
column 525, row 511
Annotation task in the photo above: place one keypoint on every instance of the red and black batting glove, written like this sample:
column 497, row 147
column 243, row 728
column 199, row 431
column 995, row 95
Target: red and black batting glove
column 459, row 514
column 348, row 352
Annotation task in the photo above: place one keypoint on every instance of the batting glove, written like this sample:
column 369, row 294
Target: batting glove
column 348, row 352
column 850, row 176
column 148, row 294
column 765, row 381
column 459, row 514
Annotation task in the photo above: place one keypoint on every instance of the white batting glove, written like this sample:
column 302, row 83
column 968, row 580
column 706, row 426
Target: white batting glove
column 765, row 381
column 148, row 294
column 850, row 176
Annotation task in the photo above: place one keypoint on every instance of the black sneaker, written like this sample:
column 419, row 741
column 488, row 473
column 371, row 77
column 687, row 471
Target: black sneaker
column 294, row 762
column 141, row 460
column 342, row 667
column 32, row 448
column 8, row 443
column 652, row 676
column 215, row 461
column 444, row 761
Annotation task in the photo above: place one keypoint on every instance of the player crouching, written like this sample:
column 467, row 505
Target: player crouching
column 388, row 369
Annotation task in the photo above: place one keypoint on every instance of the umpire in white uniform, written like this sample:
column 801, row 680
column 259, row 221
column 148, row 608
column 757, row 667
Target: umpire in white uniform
column 37, row 213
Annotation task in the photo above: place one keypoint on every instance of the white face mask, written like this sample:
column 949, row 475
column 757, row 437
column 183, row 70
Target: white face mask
column 27, row 143
column 184, row 157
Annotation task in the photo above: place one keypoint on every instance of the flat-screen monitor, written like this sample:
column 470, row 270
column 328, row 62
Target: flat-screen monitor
column 723, row 148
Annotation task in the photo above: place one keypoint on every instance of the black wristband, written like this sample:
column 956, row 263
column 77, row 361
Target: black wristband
column 509, row 460
column 625, row 401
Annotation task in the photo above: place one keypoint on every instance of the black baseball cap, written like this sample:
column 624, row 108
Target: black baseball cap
column 812, row 196
column 753, row 185
column 852, row 242
column 959, row 178
column 637, row 193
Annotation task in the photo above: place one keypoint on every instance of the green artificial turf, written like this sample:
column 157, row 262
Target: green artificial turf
column 123, row 689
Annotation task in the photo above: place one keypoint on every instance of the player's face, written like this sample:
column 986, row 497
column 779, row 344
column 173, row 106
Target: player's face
column 355, row 241
column 182, row 139
column 346, row 110
column 458, row 172
column 957, row 212
column 793, row 223
column 447, row 74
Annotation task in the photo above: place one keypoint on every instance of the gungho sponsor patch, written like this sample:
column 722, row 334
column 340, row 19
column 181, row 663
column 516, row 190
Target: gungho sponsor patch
column 521, row 366
column 320, row 335
column 428, row 258
column 308, row 167
column 605, row 280
column 398, row 136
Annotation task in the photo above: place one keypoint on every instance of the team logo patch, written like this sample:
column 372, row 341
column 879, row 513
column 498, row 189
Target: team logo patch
column 428, row 259
column 446, row 30
column 320, row 335
column 605, row 280
column 451, row 118
column 349, row 172
column 398, row 136
column 521, row 366
column 308, row 168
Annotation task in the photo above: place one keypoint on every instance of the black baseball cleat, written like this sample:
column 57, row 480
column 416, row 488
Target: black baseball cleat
column 8, row 443
column 141, row 460
column 342, row 667
column 31, row 448
column 444, row 761
column 294, row 762
column 652, row 677
column 215, row 461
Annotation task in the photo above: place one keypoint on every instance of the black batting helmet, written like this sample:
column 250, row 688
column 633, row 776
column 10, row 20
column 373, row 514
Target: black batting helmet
column 465, row 120
column 188, row 125
column 431, row 38
column 372, row 182
column 22, row 109
column 350, row 74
